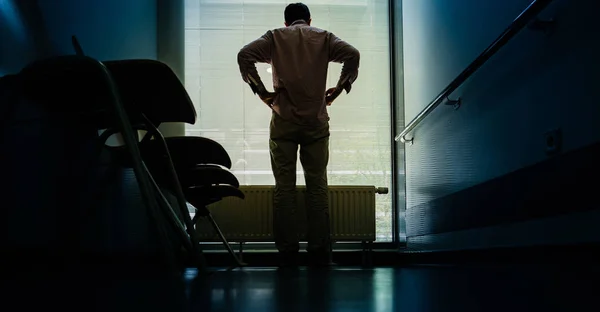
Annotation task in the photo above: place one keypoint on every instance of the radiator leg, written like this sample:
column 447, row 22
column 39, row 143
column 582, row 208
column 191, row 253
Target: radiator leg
column 364, row 252
column 229, row 249
column 241, row 251
column 370, row 253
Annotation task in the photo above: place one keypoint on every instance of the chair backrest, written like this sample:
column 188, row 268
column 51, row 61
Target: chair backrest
column 60, row 191
column 152, row 88
column 69, row 84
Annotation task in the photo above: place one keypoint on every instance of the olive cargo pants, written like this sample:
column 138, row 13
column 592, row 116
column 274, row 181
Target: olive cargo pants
column 285, row 139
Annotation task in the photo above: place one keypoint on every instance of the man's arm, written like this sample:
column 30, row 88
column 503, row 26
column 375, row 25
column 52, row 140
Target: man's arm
column 342, row 52
column 257, row 51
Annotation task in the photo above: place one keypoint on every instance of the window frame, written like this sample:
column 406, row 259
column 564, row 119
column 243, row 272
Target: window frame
column 168, row 11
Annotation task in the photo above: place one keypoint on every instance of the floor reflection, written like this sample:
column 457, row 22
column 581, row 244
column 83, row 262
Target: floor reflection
column 296, row 290
column 514, row 288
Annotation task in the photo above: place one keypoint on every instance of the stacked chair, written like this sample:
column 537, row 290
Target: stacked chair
column 194, row 170
column 57, row 115
column 69, row 196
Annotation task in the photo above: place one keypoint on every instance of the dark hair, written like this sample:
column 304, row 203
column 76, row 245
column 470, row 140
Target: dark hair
column 296, row 11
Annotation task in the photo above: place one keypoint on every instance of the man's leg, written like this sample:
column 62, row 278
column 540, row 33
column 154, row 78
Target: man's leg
column 284, row 154
column 314, row 155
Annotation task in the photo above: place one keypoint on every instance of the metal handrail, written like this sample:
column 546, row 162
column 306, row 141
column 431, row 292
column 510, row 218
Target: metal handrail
column 517, row 25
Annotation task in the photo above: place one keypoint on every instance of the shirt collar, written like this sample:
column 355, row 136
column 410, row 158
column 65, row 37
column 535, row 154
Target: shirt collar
column 299, row 22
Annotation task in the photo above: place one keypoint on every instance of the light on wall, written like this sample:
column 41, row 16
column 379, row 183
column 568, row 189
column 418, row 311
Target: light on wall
column 270, row 70
column 10, row 13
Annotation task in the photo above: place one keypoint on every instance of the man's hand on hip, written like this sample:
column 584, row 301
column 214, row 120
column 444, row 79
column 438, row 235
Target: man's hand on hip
column 331, row 95
column 267, row 97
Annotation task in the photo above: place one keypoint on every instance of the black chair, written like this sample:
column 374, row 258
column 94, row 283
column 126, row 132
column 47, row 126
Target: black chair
column 190, row 151
column 51, row 151
column 182, row 165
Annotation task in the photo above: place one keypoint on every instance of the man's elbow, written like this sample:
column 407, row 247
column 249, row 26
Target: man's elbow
column 242, row 57
column 356, row 54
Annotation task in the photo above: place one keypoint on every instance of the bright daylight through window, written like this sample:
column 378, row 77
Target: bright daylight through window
column 228, row 111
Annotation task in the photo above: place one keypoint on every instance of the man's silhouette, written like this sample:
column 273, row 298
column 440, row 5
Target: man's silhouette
column 299, row 55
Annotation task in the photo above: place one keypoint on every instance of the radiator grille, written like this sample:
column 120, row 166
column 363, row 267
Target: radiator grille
column 352, row 214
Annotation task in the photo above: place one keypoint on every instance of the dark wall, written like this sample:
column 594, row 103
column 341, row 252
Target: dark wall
column 107, row 29
column 22, row 34
column 537, row 83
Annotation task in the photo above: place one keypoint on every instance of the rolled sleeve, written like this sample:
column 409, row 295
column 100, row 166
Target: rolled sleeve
column 342, row 52
column 257, row 51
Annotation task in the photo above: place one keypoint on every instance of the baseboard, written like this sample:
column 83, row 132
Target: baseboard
column 581, row 254
column 271, row 259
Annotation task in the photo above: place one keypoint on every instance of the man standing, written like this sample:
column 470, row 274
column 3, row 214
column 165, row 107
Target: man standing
column 299, row 55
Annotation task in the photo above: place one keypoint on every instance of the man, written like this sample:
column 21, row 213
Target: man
column 299, row 55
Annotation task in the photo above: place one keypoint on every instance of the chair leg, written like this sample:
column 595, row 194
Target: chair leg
column 225, row 242
column 196, row 250
column 197, row 254
column 188, row 237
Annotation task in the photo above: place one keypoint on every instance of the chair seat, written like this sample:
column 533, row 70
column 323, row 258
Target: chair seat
column 206, row 175
column 204, row 196
column 186, row 152
column 198, row 176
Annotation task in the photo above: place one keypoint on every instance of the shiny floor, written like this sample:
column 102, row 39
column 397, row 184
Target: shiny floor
column 426, row 288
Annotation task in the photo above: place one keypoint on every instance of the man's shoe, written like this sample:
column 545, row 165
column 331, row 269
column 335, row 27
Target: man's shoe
column 288, row 259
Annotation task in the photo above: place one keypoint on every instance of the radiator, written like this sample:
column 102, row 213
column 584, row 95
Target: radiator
column 352, row 215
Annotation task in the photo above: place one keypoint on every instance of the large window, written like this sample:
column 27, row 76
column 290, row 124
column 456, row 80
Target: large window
column 228, row 112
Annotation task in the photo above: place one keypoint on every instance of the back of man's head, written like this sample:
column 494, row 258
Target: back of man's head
column 296, row 11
